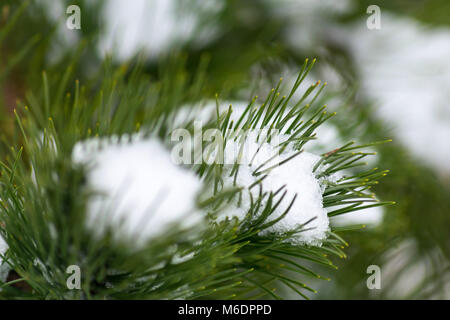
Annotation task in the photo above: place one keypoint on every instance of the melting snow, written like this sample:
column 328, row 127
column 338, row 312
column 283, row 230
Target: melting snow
column 297, row 178
column 142, row 192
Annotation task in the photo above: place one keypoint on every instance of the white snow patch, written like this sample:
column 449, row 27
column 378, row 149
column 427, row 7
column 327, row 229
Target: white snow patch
column 4, row 267
column 177, row 258
column 370, row 217
column 404, row 68
column 142, row 193
column 297, row 176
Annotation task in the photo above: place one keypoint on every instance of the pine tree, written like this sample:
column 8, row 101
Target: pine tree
column 46, row 199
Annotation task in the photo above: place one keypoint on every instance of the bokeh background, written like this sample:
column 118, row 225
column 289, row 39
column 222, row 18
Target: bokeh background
column 392, row 82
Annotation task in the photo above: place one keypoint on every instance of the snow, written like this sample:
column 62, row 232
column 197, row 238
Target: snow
column 142, row 192
column 328, row 138
column 136, row 25
column 370, row 217
column 406, row 270
column 405, row 70
column 154, row 26
column 4, row 267
column 297, row 177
